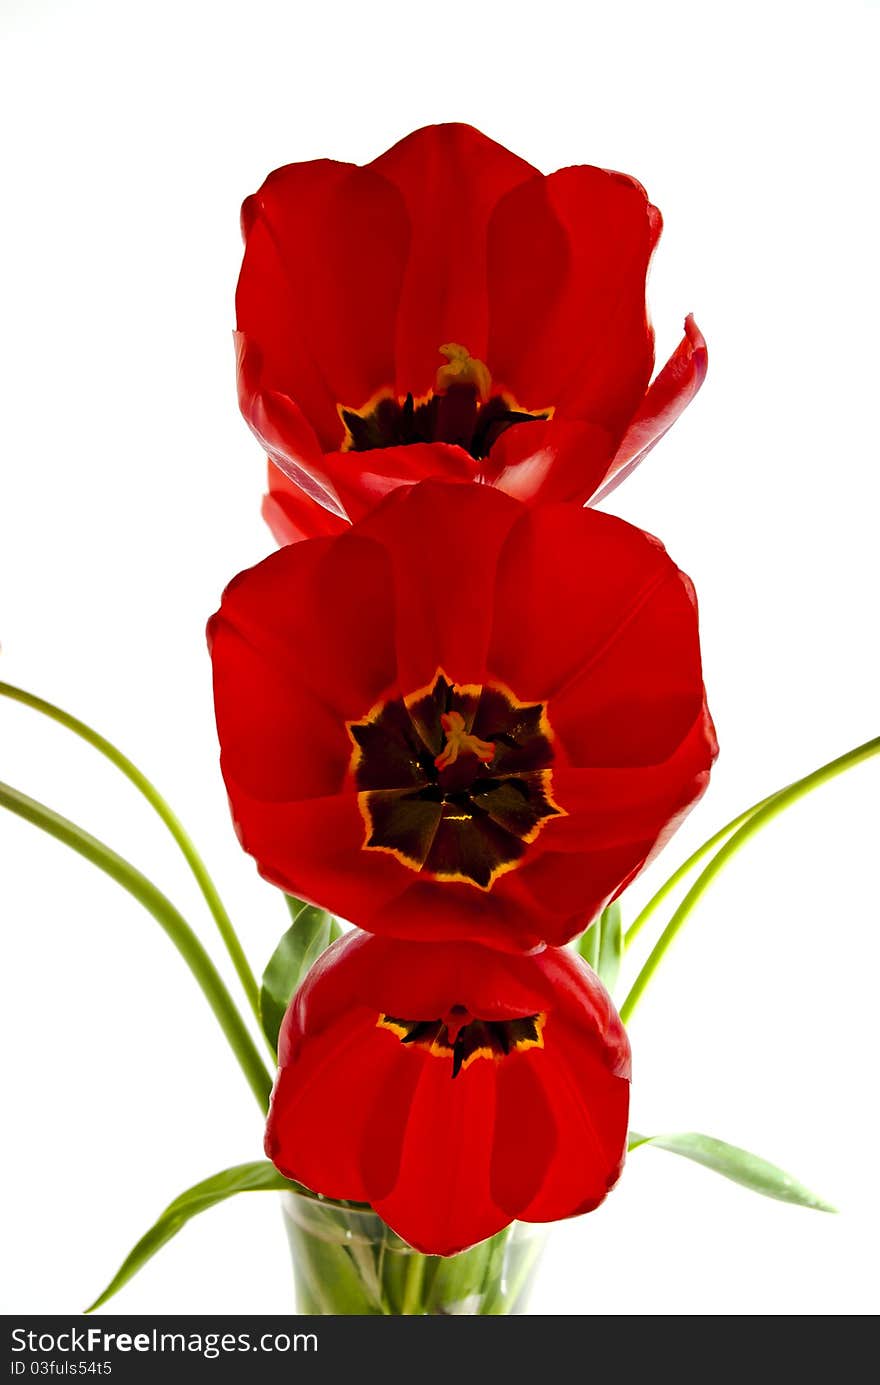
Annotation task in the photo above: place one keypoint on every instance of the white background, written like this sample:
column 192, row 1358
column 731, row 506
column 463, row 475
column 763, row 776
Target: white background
column 130, row 493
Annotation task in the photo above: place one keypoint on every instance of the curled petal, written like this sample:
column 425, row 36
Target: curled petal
column 545, row 462
column 292, row 515
column 668, row 396
column 282, row 428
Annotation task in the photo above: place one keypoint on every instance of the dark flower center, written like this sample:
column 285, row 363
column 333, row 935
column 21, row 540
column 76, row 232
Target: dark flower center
column 463, row 1038
column 454, row 781
column 462, row 410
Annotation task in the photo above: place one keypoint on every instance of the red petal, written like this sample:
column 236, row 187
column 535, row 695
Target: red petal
column 326, row 1100
column 443, row 540
column 669, row 395
column 362, row 479
column 314, row 849
column 279, row 740
column 442, row 1201
column 564, row 891
column 451, row 177
column 611, row 808
column 525, row 1135
column 331, row 988
column 381, row 1148
column 325, row 249
column 321, row 615
column 580, row 998
column 428, row 910
column 423, row 980
column 607, row 571
column 636, row 699
column 590, row 1107
column 350, row 484
column 568, row 255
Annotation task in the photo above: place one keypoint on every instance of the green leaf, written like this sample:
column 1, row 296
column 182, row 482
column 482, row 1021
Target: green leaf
column 244, row 1178
column 311, row 931
column 170, row 919
column 170, row 819
column 736, row 1164
column 610, row 945
column 588, row 943
column 755, row 819
column 601, row 945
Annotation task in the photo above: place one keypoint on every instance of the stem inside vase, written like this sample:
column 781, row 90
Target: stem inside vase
column 346, row 1261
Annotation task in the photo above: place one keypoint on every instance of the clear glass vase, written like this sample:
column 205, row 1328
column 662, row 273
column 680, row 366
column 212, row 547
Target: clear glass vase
column 347, row 1261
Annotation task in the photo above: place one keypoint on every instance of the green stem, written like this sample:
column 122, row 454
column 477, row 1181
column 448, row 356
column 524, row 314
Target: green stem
column 170, row 819
column 165, row 914
column 412, row 1288
column 770, row 809
column 506, row 1300
column 686, row 867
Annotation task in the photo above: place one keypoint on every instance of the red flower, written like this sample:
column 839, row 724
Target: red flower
column 463, row 717
column 528, row 293
column 451, row 1087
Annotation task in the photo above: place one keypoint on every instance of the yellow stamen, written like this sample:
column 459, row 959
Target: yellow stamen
column 458, row 739
column 463, row 369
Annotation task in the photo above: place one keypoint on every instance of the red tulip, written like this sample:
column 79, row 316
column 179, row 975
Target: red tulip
column 463, row 717
column 448, row 292
column 451, row 1087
